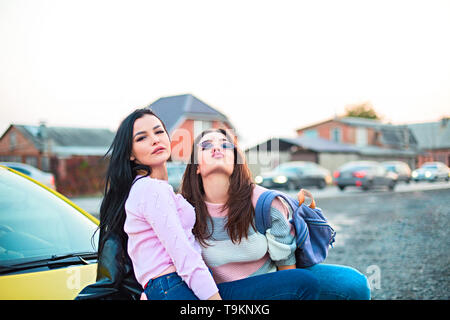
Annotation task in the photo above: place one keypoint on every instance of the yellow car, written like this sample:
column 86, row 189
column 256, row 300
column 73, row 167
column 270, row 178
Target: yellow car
column 47, row 243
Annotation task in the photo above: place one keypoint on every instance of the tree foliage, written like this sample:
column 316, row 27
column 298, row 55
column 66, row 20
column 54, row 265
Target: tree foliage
column 362, row 110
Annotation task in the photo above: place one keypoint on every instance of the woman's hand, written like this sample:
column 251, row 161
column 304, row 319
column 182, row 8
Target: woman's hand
column 305, row 193
column 215, row 297
column 291, row 266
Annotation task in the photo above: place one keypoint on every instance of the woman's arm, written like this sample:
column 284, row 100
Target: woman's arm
column 160, row 211
column 281, row 236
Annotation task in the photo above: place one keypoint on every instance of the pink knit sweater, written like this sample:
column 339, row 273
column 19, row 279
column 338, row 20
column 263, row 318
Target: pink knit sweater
column 159, row 226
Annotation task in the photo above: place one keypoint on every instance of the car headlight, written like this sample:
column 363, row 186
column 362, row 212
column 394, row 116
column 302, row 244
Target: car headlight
column 259, row 179
column 414, row 174
column 280, row 179
column 427, row 174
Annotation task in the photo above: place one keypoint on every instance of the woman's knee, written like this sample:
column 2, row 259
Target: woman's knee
column 305, row 283
column 355, row 285
column 359, row 289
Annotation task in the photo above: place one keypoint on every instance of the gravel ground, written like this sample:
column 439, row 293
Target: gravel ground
column 400, row 241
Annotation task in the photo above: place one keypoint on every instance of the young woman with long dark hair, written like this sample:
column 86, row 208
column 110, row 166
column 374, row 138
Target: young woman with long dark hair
column 217, row 182
column 155, row 224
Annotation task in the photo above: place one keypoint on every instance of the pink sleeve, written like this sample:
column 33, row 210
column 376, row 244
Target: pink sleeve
column 160, row 211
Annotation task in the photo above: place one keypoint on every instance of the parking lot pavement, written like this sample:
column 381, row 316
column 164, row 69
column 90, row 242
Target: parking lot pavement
column 398, row 240
column 333, row 191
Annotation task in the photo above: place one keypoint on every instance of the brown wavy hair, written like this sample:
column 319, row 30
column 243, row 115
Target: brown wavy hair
column 240, row 208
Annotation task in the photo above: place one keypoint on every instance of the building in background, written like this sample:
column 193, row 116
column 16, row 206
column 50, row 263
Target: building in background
column 73, row 155
column 434, row 140
column 185, row 117
column 76, row 155
column 336, row 141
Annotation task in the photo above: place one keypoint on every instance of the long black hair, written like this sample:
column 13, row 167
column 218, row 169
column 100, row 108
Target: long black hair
column 119, row 179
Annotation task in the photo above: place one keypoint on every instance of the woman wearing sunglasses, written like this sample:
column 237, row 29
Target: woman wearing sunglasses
column 218, row 183
column 155, row 224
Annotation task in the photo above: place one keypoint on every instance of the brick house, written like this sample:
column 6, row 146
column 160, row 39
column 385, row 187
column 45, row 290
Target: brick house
column 73, row 155
column 336, row 141
column 186, row 116
column 373, row 139
column 361, row 132
column 434, row 140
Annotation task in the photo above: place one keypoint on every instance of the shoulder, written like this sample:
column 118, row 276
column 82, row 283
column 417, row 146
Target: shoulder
column 149, row 195
column 143, row 187
column 277, row 204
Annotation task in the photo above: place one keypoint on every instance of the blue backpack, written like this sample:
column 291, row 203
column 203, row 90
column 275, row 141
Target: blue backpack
column 313, row 233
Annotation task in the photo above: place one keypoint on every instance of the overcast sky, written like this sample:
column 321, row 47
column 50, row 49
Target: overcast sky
column 270, row 66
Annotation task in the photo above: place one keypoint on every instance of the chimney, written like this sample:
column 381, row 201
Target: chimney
column 42, row 134
column 42, row 131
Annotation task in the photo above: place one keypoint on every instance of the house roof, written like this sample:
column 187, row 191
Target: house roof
column 397, row 136
column 352, row 121
column 70, row 141
column 432, row 135
column 323, row 145
column 172, row 110
column 360, row 122
column 310, row 143
column 320, row 145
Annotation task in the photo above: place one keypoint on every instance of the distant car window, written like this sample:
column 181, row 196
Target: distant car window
column 22, row 170
column 357, row 168
column 35, row 223
column 430, row 166
column 289, row 169
column 380, row 170
column 390, row 168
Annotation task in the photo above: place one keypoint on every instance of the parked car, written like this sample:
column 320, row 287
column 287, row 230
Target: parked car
column 401, row 168
column 175, row 171
column 295, row 175
column 44, row 177
column 431, row 171
column 364, row 174
column 46, row 249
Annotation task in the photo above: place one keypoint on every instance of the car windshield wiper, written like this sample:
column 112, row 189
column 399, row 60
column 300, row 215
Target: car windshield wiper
column 52, row 261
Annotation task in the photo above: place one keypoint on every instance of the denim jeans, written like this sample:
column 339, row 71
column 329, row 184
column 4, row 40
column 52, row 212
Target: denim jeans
column 321, row 281
column 294, row 284
column 340, row 282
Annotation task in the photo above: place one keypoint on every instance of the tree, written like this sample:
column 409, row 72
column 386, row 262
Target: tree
column 362, row 110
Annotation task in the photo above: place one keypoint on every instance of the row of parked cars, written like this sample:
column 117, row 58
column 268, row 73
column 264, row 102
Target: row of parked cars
column 365, row 174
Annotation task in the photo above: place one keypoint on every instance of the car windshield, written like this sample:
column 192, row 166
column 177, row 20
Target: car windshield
column 34, row 223
column 356, row 168
column 430, row 166
column 285, row 169
column 390, row 167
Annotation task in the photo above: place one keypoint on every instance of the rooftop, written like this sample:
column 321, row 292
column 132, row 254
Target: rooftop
column 171, row 110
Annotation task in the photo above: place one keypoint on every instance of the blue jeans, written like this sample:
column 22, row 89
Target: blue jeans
column 294, row 284
column 340, row 282
column 321, row 281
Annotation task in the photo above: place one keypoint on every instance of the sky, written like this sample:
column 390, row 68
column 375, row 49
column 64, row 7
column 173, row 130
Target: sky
column 270, row 66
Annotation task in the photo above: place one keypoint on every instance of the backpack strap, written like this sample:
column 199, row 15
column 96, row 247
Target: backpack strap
column 263, row 220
